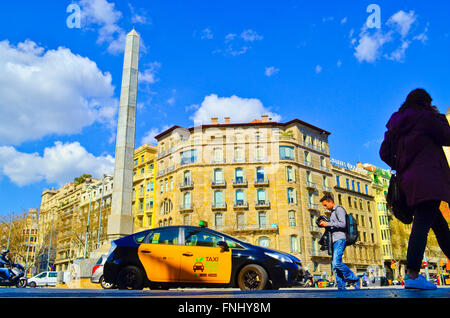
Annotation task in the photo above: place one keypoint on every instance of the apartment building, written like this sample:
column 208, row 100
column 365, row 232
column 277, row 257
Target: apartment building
column 143, row 186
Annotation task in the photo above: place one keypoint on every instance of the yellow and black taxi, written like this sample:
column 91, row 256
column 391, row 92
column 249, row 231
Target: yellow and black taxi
column 190, row 256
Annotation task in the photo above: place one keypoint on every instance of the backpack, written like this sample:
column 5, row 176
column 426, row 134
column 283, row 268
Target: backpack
column 351, row 230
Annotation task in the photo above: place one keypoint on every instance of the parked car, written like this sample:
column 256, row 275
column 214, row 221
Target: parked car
column 185, row 256
column 43, row 279
column 97, row 274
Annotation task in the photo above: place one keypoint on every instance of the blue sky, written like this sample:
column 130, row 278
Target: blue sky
column 316, row 61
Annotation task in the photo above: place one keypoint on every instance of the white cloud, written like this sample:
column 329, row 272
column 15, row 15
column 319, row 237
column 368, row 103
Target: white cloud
column 339, row 63
column 318, row 69
column 236, row 46
column 368, row 48
column 251, row 36
column 402, row 21
column 149, row 136
column 344, row 20
column 139, row 18
column 59, row 164
column 106, row 17
column 371, row 44
column 104, row 14
column 271, row 70
column 149, row 73
column 50, row 92
column 207, row 34
column 241, row 110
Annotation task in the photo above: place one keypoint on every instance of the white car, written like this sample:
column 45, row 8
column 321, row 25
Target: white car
column 43, row 279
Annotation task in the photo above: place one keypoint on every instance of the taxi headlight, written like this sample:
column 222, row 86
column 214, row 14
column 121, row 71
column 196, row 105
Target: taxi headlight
column 279, row 257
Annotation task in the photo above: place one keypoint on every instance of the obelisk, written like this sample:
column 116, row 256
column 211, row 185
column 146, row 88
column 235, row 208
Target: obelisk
column 120, row 221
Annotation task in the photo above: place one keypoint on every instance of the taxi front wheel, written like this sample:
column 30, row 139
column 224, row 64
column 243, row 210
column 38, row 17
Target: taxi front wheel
column 252, row 277
column 131, row 277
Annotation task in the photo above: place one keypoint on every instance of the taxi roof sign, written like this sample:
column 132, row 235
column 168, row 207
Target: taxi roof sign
column 203, row 224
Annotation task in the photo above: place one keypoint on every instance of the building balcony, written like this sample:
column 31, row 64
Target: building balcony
column 323, row 168
column 311, row 185
column 186, row 185
column 327, row 189
column 218, row 161
column 318, row 253
column 186, row 207
column 309, row 163
column 240, row 182
column 262, row 204
column 261, row 182
column 240, row 204
column 218, row 183
column 239, row 160
column 313, row 207
column 219, row 206
column 244, row 229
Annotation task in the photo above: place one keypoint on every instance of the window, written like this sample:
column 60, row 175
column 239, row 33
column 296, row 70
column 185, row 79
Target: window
column 307, row 157
column 367, row 190
column 290, row 175
column 217, row 154
column 239, row 197
column 263, row 241
column 261, row 196
column 353, row 185
column 187, row 219
column 239, row 175
column 201, row 238
column 358, row 186
column 164, row 236
column 189, row 156
column 262, row 220
column 347, row 184
column 238, row 154
column 287, row 153
column 337, row 181
column 218, row 220
column 218, row 176
column 52, row 274
column 311, row 198
column 260, row 174
column 291, row 216
column 187, row 200
column 240, row 221
column 187, row 177
column 259, row 153
column 291, row 195
column 293, row 243
column 218, row 198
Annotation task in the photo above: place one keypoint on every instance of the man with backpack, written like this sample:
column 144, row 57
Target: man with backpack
column 339, row 229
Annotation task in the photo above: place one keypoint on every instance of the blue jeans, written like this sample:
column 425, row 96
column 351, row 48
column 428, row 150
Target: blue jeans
column 341, row 271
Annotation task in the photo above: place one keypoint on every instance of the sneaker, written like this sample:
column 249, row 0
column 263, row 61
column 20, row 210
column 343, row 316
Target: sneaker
column 419, row 283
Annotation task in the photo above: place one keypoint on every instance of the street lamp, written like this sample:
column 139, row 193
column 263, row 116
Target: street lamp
column 88, row 219
column 101, row 205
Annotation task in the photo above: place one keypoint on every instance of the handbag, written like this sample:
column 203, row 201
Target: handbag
column 396, row 202
column 395, row 198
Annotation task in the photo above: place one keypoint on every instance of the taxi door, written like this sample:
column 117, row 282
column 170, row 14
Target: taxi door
column 160, row 256
column 202, row 261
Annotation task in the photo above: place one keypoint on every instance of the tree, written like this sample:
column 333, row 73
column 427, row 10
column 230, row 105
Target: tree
column 83, row 178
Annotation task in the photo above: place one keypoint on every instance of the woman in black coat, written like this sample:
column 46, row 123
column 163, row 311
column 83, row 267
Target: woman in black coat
column 418, row 132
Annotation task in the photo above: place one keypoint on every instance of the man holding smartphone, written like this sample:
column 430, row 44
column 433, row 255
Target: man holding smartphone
column 337, row 226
